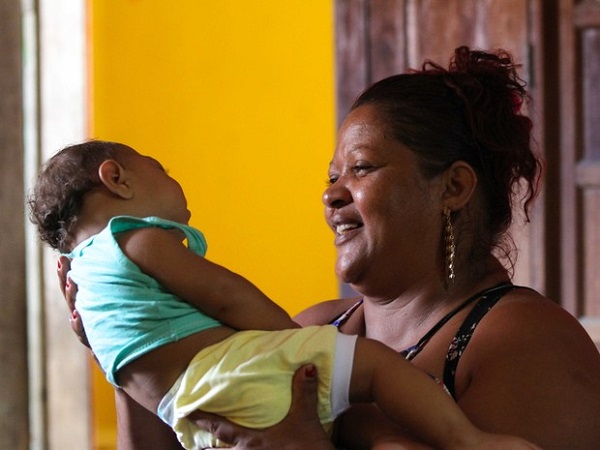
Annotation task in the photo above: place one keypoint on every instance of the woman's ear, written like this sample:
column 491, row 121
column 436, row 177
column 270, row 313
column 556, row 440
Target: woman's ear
column 115, row 178
column 460, row 181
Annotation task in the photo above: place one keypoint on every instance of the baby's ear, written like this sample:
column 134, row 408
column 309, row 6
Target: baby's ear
column 115, row 177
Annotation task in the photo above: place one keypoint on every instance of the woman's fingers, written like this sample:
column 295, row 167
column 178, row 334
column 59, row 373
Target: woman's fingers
column 304, row 394
column 69, row 291
column 63, row 266
column 222, row 428
column 299, row 430
column 77, row 327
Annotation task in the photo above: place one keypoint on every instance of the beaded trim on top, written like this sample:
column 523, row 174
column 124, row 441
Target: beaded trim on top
column 414, row 350
column 341, row 319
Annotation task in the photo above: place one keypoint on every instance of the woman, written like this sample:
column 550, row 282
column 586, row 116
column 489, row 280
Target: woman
column 422, row 187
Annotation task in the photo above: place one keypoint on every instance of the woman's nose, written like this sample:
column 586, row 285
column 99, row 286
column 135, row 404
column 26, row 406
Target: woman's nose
column 336, row 196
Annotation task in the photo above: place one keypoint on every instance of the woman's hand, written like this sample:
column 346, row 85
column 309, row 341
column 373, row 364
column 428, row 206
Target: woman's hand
column 300, row 429
column 69, row 291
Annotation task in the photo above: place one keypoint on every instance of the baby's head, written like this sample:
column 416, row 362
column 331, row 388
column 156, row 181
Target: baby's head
column 57, row 198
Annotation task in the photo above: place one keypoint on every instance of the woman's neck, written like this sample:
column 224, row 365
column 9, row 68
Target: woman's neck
column 401, row 322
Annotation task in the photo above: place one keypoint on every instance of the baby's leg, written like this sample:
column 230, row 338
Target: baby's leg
column 408, row 396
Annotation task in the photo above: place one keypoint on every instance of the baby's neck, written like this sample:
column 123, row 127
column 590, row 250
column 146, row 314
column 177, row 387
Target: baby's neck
column 97, row 210
column 86, row 230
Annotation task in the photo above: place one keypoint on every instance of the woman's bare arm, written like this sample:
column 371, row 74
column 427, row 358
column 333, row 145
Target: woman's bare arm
column 137, row 428
column 364, row 426
column 532, row 371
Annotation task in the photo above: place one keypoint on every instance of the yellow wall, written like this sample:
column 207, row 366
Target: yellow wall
column 236, row 98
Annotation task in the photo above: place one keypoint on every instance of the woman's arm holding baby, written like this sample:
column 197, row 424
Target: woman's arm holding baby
column 137, row 428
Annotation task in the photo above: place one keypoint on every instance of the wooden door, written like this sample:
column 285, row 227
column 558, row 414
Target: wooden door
column 579, row 201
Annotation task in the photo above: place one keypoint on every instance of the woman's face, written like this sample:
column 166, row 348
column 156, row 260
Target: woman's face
column 387, row 218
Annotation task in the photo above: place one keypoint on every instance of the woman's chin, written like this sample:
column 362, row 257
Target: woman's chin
column 347, row 271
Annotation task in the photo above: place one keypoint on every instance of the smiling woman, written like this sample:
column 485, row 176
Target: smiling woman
column 421, row 195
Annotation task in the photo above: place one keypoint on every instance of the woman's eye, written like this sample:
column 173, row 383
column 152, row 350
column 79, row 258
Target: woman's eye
column 360, row 169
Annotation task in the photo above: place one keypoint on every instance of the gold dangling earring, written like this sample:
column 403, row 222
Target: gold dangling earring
column 450, row 246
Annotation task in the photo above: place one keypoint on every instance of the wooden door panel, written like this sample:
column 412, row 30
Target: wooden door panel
column 584, row 144
column 387, row 41
column 436, row 27
column 352, row 71
column 590, row 82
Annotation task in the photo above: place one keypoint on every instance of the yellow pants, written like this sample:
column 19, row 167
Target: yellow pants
column 247, row 378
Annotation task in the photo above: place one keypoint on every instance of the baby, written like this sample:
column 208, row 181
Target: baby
column 179, row 333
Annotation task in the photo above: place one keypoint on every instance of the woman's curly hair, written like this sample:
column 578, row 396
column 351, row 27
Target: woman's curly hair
column 57, row 198
column 470, row 112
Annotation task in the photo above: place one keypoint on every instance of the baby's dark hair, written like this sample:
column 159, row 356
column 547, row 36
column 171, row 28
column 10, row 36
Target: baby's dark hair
column 469, row 112
column 57, row 198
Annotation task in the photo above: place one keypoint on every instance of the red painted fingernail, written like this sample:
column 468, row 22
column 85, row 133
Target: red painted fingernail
column 74, row 314
column 59, row 264
column 310, row 372
column 67, row 284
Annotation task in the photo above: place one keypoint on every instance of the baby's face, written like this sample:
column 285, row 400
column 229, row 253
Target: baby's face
column 155, row 192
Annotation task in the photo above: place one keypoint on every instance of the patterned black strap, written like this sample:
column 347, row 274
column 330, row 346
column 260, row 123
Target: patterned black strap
column 340, row 320
column 465, row 332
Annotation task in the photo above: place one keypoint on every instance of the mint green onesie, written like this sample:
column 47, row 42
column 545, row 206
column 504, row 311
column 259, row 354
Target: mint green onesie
column 125, row 312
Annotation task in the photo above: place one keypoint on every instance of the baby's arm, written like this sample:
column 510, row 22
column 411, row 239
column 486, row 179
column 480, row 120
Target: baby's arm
column 213, row 289
column 411, row 399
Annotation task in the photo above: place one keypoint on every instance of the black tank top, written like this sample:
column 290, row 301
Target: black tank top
column 485, row 301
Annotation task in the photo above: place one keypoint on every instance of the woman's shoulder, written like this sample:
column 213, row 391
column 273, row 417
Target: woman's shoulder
column 527, row 336
column 525, row 306
column 325, row 312
column 526, row 347
column 524, row 315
